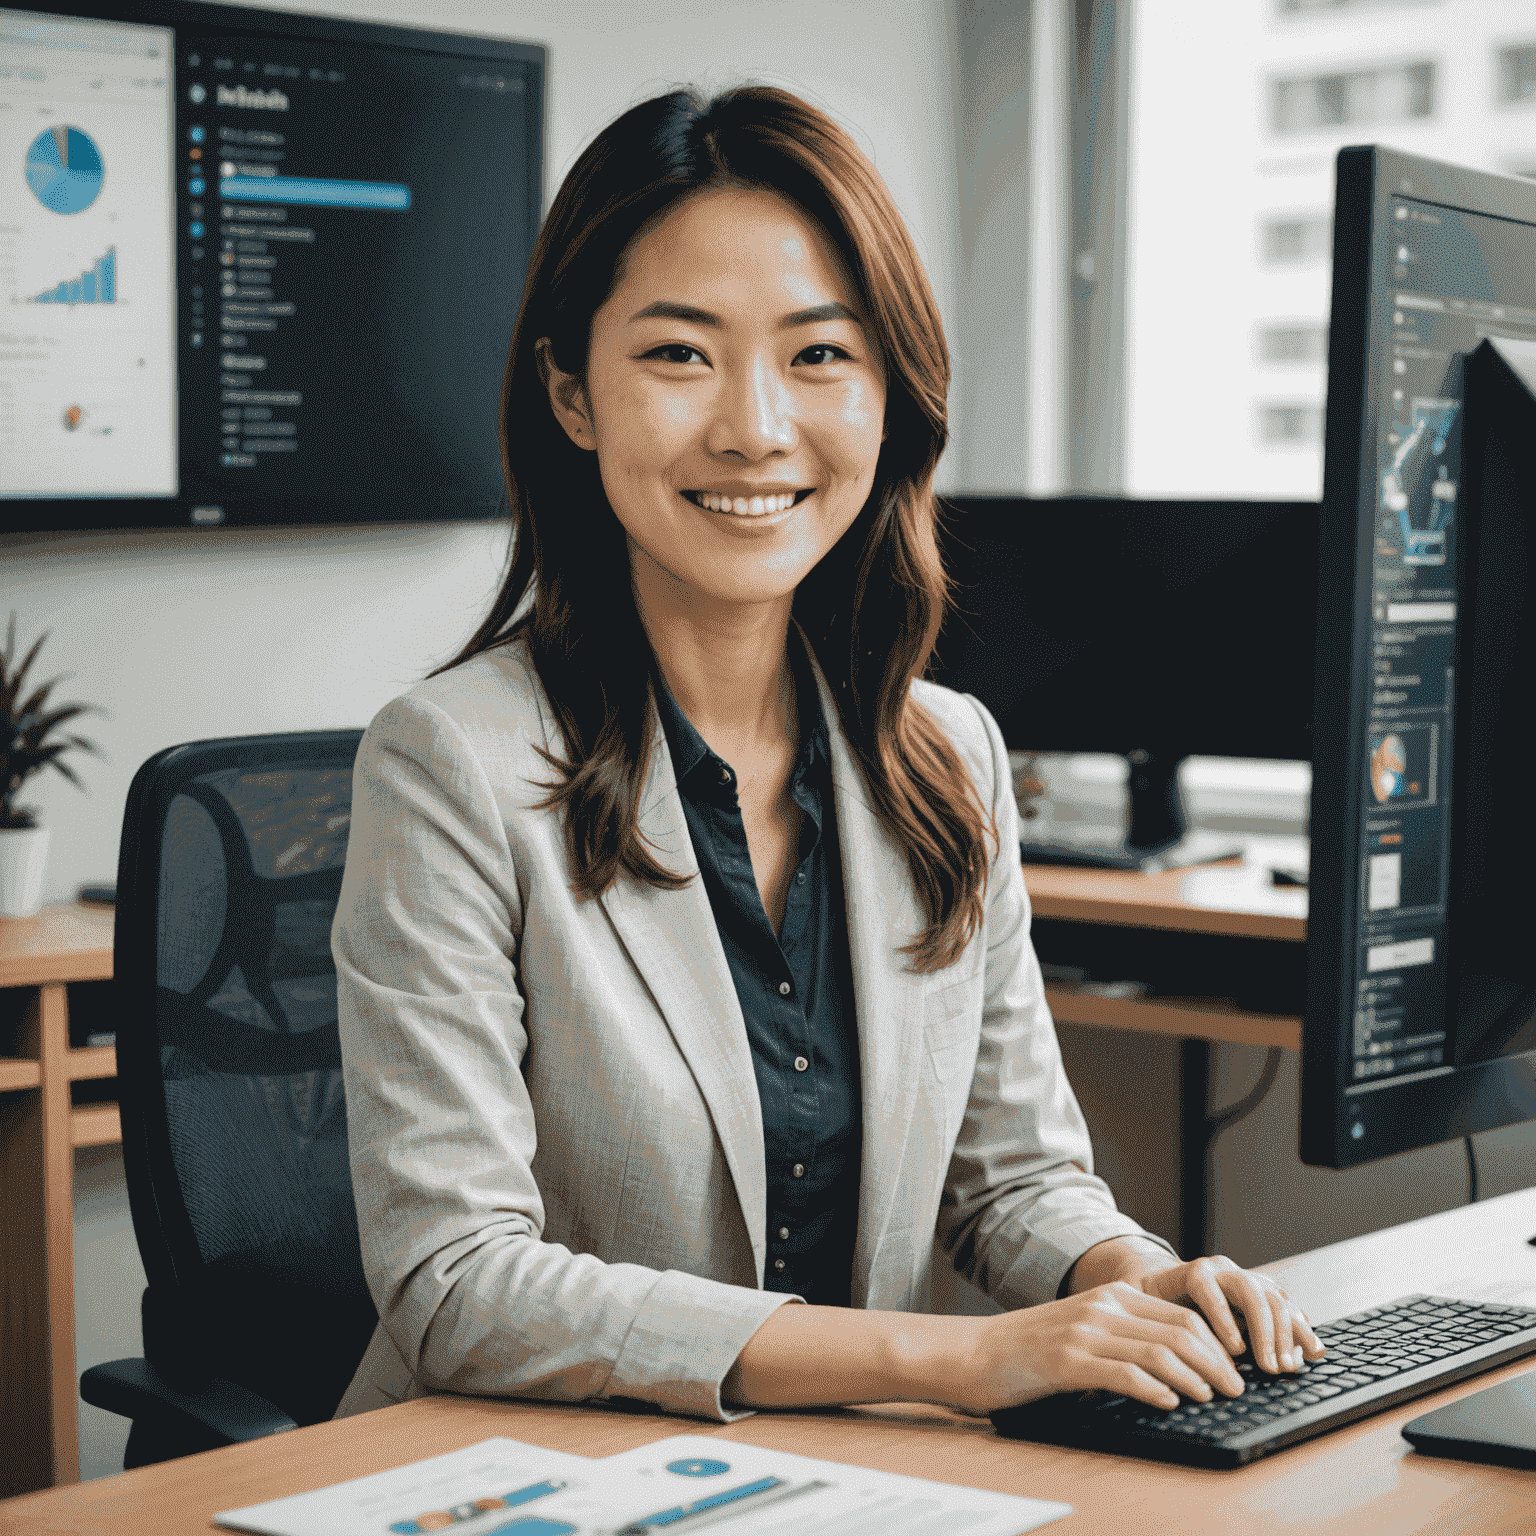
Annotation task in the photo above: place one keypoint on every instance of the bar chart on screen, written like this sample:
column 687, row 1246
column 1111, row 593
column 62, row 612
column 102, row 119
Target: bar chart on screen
column 87, row 259
column 96, row 285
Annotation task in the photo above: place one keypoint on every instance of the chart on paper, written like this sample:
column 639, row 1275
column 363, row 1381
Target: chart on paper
column 681, row 1485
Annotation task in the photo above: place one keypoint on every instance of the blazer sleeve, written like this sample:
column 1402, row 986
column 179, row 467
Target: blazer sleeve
column 1021, row 1203
column 441, row 1129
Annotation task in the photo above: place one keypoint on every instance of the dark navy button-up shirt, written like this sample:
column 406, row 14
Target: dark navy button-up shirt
column 796, row 995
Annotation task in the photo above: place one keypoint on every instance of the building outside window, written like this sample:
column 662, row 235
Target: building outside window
column 1293, row 344
column 1289, row 424
column 1517, row 74
column 1238, row 109
column 1297, row 239
column 1356, row 96
column 1297, row 7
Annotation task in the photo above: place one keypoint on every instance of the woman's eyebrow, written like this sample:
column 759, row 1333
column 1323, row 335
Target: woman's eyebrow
column 670, row 309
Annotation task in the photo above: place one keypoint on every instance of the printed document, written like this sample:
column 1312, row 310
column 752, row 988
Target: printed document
column 676, row 1486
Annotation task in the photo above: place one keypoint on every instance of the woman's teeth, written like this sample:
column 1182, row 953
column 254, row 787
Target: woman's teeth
column 743, row 506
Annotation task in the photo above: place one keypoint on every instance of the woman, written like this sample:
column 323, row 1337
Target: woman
column 682, row 953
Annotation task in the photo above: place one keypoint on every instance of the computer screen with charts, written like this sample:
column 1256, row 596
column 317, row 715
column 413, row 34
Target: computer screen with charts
column 1421, row 958
column 256, row 267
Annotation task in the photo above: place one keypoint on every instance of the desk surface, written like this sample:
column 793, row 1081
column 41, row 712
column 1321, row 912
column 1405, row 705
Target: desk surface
column 67, row 941
column 1364, row 1479
column 1238, row 900
column 71, row 941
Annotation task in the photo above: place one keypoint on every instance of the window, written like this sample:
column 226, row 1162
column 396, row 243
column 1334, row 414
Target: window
column 1517, row 74
column 1290, row 424
column 1229, row 197
column 1297, row 239
column 1387, row 95
column 1293, row 344
column 1308, row 7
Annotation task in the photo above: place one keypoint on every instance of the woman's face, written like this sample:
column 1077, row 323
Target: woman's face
column 734, row 398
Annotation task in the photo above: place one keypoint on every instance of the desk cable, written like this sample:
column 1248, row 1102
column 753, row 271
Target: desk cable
column 1250, row 1101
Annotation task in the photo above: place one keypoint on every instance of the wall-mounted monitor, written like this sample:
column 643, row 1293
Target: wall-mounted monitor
column 256, row 267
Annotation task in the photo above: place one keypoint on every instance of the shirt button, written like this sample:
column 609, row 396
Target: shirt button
column 800, row 878
column 798, row 1170
column 725, row 775
column 783, row 1234
column 801, row 1063
column 783, row 989
column 778, row 1264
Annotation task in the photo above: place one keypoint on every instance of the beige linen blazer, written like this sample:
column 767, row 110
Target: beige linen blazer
column 556, row 1141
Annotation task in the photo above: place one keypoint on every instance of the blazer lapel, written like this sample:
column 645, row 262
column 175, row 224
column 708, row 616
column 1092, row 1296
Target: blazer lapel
column 883, row 915
column 672, row 941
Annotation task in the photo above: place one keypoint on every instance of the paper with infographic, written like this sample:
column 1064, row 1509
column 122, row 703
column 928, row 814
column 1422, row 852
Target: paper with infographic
column 686, row 1484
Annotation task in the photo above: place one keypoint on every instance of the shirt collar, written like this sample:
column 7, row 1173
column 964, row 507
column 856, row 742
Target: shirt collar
column 695, row 764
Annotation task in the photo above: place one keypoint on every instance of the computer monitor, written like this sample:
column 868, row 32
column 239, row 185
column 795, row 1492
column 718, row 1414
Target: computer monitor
column 1421, row 952
column 1152, row 629
column 256, row 267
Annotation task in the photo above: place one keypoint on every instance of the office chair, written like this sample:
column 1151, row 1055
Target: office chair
column 229, row 1073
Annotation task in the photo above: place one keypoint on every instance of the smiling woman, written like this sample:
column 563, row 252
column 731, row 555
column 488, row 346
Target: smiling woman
column 682, row 954
column 724, row 301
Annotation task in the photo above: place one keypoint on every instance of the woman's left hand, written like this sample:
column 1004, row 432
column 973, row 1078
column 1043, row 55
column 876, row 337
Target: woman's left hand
column 1224, row 1294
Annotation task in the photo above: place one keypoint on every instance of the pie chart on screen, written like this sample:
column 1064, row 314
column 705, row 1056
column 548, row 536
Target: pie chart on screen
column 64, row 169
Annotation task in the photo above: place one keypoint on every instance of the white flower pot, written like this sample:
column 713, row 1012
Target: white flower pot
column 23, row 856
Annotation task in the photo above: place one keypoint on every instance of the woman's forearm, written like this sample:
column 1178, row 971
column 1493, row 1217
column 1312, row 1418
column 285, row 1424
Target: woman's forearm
column 1116, row 1258
column 816, row 1357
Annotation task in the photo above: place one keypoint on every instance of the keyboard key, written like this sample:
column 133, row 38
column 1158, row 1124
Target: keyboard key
column 1371, row 1347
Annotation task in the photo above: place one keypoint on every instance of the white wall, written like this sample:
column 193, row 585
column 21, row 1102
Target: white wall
column 181, row 634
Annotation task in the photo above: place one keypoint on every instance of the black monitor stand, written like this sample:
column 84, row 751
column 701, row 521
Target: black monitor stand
column 1157, row 836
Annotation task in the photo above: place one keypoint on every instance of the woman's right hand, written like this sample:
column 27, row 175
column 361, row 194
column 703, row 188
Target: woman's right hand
column 1114, row 1338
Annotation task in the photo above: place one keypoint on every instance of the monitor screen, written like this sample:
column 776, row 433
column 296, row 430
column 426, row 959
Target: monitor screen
column 1414, row 1031
column 1103, row 625
column 257, row 267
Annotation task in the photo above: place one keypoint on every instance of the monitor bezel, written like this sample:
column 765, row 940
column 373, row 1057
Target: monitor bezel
column 51, row 514
column 1336, row 1130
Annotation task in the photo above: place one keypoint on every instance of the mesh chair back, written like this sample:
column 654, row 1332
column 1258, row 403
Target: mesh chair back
column 234, row 1121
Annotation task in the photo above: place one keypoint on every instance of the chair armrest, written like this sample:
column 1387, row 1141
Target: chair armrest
column 136, row 1390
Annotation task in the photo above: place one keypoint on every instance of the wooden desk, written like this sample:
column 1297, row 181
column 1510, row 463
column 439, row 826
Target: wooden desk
column 1222, row 900
column 1229, row 900
column 39, row 1130
column 1365, row 1479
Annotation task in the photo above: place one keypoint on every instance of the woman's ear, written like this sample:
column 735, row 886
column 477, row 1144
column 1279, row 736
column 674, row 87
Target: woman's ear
column 567, row 397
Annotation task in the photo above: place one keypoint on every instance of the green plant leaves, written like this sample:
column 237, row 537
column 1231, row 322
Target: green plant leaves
column 28, row 742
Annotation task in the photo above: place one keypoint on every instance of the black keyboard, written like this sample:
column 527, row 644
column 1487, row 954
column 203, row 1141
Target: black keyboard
column 1081, row 855
column 1376, row 1359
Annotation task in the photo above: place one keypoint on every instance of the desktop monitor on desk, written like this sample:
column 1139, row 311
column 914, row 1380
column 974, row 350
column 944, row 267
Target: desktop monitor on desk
column 1151, row 629
column 256, row 267
column 1421, row 957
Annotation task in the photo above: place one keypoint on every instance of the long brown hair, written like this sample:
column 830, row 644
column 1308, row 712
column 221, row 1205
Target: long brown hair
column 872, row 607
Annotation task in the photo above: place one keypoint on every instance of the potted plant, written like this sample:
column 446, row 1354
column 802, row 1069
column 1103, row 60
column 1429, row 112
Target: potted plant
column 28, row 743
